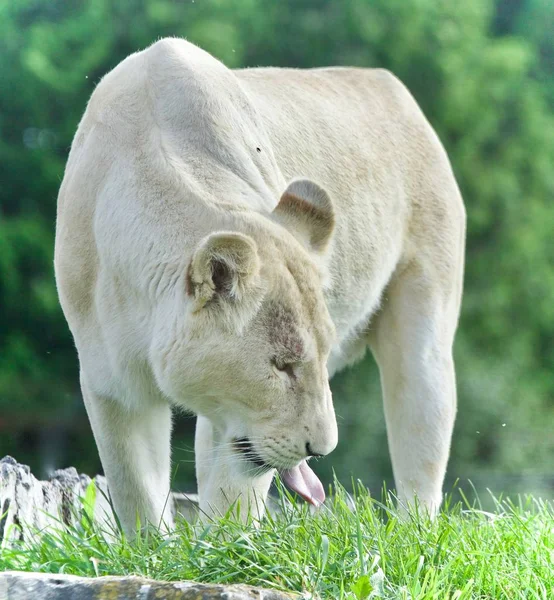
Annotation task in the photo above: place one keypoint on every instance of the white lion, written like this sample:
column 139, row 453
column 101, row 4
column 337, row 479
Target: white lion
column 226, row 241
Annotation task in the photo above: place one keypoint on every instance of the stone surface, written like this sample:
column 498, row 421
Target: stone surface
column 30, row 586
column 27, row 504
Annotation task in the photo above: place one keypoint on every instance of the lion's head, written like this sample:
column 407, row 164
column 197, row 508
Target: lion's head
column 253, row 355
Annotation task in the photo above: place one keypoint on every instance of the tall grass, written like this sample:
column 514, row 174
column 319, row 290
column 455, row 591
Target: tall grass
column 355, row 547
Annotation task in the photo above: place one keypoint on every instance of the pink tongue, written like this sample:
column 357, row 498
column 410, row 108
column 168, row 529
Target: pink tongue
column 305, row 483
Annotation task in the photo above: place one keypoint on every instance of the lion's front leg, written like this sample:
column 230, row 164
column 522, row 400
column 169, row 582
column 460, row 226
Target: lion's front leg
column 221, row 482
column 134, row 447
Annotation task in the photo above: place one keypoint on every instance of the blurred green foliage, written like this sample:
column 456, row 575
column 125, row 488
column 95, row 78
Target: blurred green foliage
column 482, row 72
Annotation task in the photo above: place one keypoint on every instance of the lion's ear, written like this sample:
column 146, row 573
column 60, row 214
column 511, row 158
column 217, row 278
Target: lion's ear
column 223, row 266
column 306, row 210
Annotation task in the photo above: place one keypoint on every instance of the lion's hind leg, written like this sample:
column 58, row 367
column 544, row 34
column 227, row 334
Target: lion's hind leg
column 412, row 340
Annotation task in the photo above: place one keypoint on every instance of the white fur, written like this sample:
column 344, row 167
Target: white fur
column 176, row 151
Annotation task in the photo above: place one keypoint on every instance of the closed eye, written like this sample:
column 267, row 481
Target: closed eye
column 287, row 368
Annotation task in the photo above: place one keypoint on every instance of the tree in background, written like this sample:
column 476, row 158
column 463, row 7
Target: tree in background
column 482, row 72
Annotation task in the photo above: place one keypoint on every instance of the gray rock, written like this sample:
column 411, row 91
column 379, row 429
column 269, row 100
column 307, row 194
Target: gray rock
column 30, row 586
column 28, row 505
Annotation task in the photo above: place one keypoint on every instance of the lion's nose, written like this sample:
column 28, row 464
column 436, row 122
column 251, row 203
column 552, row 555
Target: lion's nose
column 310, row 452
column 324, row 444
column 320, row 427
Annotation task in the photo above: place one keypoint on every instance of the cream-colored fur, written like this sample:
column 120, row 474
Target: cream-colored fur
column 227, row 240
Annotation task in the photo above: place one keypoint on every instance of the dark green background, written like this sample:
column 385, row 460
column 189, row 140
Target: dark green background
column 483, row 73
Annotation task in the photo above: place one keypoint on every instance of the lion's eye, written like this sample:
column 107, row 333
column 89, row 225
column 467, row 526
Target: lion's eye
column 287, row 368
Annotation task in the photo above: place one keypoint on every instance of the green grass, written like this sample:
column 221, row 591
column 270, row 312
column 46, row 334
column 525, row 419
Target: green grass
column 339, row 553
